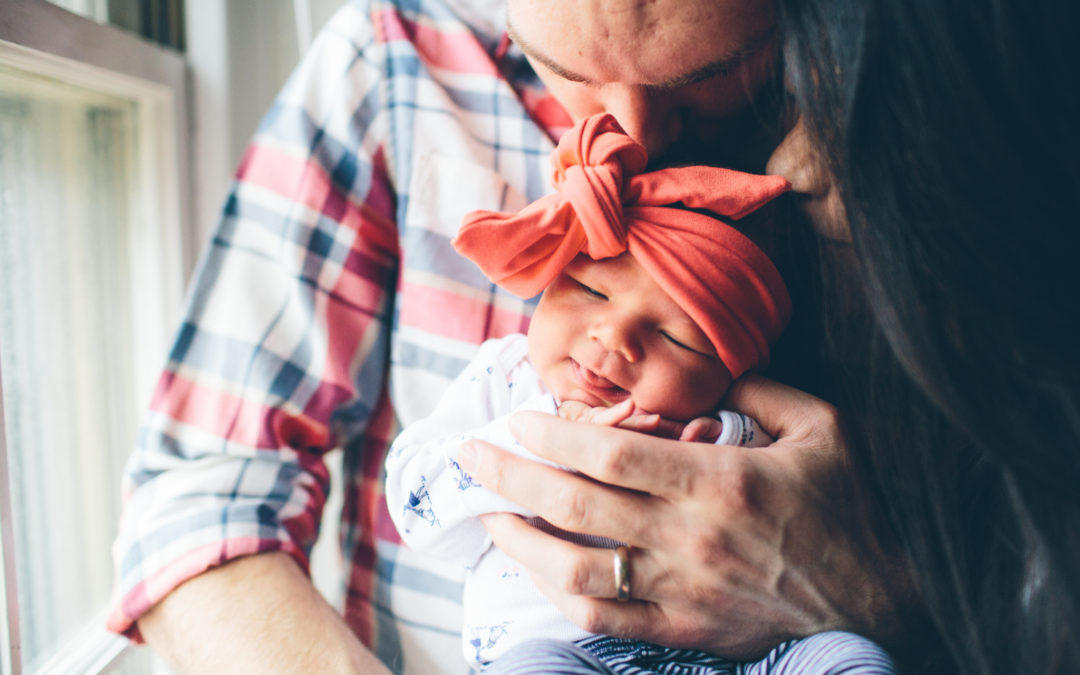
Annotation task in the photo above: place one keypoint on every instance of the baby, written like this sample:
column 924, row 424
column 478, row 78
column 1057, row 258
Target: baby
column 652, row 305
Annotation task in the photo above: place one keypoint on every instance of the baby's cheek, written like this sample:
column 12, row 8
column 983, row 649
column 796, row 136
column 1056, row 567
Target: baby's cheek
column 681, row 398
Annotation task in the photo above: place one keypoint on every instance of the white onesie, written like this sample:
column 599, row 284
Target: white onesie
column 435, row 504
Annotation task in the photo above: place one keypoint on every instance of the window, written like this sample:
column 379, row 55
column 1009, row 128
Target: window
column 91, row 264
column 100, row 222
column 161, row 21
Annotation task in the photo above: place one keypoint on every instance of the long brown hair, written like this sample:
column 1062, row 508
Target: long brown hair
column 953, row 132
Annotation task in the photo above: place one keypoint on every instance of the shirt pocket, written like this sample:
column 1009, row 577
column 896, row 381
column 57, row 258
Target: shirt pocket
column 445, row 305
column 443, row 189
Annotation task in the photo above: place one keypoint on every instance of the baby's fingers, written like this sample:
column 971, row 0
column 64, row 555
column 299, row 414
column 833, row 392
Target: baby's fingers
column 701, row 430
column 574, row 411
column 646, row 424
column 613, row 416
column 654, row 425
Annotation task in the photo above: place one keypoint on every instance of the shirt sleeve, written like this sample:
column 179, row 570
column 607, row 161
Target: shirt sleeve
column 283, row 346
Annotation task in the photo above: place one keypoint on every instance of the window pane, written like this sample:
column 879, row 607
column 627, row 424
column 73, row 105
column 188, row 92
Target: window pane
column 159, row 20
column 67, row 186
column 92, row 9
column 137, row 661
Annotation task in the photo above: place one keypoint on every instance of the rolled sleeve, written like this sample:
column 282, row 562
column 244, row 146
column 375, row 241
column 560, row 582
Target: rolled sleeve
column 282, row 351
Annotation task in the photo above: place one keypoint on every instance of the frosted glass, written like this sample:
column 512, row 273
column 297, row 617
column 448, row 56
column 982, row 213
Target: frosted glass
column 67, row 185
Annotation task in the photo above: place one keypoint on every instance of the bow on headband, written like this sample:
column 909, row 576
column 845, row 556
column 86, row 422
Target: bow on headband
column 604, row 206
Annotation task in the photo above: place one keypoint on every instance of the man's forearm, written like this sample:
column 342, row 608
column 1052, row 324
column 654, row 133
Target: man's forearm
column 255, row 614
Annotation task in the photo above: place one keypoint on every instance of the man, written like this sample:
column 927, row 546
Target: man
column 330, row 305
column 679, row 77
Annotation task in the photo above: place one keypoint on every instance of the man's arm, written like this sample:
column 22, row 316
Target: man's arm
column 264, row 375
column 256, row 614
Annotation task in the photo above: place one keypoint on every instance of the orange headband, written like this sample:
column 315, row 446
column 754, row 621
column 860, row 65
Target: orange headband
column 604, row 206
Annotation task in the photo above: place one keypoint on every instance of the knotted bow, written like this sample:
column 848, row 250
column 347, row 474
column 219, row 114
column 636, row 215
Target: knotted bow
column 604, row 205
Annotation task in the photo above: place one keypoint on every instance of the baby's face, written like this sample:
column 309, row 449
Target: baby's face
column 604, row 331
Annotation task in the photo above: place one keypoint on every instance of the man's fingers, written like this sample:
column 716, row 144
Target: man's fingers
column 640, row 620
column 780, row 410
column 657, row 466
column 570, row 568
column 567, row 500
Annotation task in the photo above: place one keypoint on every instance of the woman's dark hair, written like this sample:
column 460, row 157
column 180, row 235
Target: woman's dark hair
column 951, row 129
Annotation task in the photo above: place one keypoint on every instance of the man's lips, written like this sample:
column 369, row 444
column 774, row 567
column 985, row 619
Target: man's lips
column 596, row 384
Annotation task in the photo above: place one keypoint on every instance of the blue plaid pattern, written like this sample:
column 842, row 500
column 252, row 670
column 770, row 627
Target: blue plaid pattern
column 329, row 309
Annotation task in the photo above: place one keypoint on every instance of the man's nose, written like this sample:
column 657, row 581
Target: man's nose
column 616, row 335
column 646, row 115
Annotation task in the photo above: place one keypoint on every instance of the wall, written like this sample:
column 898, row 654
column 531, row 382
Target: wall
column 240, row 53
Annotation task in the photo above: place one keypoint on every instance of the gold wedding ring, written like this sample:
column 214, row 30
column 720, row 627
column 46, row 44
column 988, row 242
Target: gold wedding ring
column 622, row 573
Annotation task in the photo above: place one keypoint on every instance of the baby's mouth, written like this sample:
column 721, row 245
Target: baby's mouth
column 597, row 384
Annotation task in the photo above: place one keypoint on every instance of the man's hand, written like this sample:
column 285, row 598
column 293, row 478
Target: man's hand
column 258, row 614
column 734, row 549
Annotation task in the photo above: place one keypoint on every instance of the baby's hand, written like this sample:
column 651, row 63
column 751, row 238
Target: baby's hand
column 624, row 415
column 702, row 430
column 576, row 411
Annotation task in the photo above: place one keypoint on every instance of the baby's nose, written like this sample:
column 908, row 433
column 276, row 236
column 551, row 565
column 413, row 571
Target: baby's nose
column 617, row 336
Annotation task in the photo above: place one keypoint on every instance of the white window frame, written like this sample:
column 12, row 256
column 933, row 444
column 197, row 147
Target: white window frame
column 238, row 55
column 51, row 41
column 39, row 37
column 10, row 661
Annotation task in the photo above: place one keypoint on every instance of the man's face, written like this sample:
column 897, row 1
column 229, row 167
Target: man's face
column 671, row 71
column 604, row 331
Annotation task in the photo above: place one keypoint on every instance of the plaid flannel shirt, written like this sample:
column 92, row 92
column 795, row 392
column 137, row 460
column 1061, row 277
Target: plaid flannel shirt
column 329, row 309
